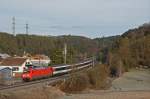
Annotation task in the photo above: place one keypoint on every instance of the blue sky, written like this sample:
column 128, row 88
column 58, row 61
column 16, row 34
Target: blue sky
column 91, row 18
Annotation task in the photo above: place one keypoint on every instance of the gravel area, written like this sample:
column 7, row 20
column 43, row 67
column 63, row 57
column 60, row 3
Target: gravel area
column 133, row 80
column 110, row 95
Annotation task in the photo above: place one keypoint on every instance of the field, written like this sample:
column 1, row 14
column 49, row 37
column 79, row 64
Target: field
column 39, row 92
column 110, row 95
column 133, row 80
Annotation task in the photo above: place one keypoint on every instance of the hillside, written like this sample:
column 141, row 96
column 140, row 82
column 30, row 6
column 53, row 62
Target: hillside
column 141, row 31
column 107, row 41
column 134, row 44
column 77, row 46
column 139, row 44
column 132, row 49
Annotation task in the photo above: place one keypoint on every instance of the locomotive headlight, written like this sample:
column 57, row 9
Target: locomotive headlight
column 26, row 75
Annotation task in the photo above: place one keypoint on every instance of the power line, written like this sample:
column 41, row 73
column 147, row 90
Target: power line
column 27, row 28
column 35, row 27
column 13, row 26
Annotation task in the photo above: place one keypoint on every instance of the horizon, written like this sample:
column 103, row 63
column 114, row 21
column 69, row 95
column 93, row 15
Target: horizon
column 58, row 35
column 103, row 36
column 92, row 18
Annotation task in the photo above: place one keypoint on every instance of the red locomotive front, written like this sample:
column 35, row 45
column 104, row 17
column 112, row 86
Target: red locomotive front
column 37, row 72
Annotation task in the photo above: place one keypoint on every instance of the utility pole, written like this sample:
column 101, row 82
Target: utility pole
column 93, row 59
column 65, row 53
column 13, row 26
column 103, row 41
column 27, row 28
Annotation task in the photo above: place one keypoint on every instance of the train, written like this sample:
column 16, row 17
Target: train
column 38, row 72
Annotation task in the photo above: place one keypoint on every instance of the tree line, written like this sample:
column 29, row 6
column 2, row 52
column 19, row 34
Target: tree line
column 78, row 47
column 131, row 50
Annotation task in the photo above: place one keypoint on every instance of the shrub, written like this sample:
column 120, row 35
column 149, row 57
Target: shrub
column 98, row 76
column 76, row 83
column 95, row 78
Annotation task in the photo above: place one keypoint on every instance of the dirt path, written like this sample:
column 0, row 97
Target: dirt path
column 133, row 80
column 110, row 95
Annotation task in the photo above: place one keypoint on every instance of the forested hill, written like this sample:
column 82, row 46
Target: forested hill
column 132, row 49
column 52, row 46
column 106, row 42
column 141, row 31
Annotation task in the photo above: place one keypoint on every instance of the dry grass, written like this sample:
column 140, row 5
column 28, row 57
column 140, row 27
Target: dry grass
column 95, row 78
column 33, row 93
column 110, row 95
column 98, row 76
column 77, row 82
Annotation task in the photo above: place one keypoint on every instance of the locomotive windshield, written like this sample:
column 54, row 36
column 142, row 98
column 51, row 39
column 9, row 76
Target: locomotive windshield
column 28, row 65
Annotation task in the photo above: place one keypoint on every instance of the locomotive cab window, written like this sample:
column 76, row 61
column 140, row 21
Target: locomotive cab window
column 26, row 71
column 28, row 64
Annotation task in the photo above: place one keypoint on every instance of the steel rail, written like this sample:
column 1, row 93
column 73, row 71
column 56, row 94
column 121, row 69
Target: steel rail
column 52, row 79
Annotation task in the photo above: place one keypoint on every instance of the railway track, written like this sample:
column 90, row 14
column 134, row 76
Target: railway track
column 42, row 81
column 56, row 77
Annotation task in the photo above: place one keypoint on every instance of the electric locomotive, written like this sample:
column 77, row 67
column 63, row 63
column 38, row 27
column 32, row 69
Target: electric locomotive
column 37, row 72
